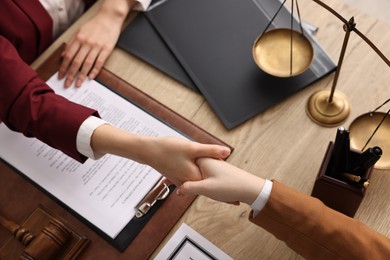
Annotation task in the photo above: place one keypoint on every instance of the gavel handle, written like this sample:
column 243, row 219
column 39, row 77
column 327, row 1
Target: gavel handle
column 20, row 233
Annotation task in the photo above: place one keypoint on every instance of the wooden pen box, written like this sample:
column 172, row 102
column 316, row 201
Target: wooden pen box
column 338, row 194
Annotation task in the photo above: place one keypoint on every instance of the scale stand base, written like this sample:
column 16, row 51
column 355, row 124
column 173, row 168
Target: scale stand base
column 325, row 113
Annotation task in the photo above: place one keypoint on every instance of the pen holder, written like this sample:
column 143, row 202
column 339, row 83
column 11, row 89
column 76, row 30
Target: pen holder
column 335, row 193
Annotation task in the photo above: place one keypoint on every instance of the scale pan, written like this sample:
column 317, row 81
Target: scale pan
column 362, row 128
column 271, row 52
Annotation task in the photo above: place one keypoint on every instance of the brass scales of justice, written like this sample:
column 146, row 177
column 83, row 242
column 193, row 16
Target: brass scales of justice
column 286, row 52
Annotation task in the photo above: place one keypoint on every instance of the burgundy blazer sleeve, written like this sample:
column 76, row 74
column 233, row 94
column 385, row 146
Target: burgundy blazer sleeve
column 27, row 25
column 29, row 106
column 315, row 231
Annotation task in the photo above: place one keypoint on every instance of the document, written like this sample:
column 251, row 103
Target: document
column 186, row 243
column 105, row 192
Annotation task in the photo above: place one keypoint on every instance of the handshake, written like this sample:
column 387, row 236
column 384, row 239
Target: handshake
column 198, row 169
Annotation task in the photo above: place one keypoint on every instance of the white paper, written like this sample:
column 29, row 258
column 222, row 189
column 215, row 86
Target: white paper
column 187, row 244
column 106, row 191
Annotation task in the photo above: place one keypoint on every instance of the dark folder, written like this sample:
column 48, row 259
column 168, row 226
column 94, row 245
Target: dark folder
column 142, row 235
column 142, row 40
column 212, row 41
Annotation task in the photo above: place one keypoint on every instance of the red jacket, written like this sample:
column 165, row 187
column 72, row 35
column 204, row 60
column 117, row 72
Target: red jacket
column 27, row 104
column 27, row 25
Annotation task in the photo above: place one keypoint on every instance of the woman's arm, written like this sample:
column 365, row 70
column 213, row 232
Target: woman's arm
column 28, row 105
column 173, row 157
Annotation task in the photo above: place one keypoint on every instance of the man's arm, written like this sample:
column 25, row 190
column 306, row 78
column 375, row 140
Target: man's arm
column 317, row 231
column 304, row 223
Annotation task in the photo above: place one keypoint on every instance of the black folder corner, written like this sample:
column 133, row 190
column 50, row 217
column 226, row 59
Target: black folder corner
column 142, row 40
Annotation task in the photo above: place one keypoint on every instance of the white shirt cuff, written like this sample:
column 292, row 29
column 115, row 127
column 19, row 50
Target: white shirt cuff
column 262, row 199
column 142, row 5
column 83, row 139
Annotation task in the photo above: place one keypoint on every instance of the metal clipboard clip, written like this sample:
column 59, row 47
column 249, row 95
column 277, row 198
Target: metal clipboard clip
column 159, row 192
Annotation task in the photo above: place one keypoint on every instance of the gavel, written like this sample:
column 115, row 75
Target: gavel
column 45, row 245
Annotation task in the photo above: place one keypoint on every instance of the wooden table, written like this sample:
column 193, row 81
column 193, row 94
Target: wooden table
column 282, row 143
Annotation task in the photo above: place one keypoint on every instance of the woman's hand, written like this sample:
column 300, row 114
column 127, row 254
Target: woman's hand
column 89, row 48
column 173, row 157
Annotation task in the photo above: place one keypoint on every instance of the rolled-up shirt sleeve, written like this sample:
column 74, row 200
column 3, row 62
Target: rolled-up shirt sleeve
column 83, row 140
column 28, row 105
column 262, row 199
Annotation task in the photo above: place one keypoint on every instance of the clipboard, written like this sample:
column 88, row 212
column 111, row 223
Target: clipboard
column 145, row 232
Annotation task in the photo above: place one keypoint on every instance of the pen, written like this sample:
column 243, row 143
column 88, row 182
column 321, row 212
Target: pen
column 352, row 177
column 356, row 180
column 368, row 159
column 366, row 183
column 347, row 150
column 340, row 153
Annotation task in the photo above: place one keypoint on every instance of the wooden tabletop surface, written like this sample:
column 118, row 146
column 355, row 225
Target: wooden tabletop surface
column 281, row 143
